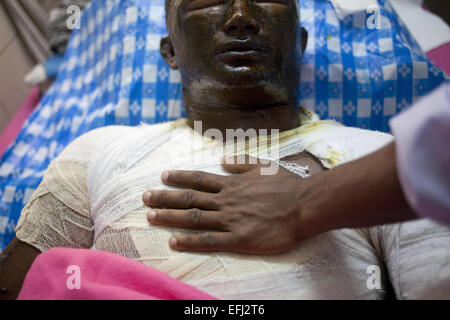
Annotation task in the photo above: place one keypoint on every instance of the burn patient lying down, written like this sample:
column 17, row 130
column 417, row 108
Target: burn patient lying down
column 239, row 63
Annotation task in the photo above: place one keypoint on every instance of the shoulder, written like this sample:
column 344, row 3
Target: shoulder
column 335, row 144
column 87, row 146
column 65, row 177
column 82, row 148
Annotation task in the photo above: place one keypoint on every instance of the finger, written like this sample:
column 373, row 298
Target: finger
column 203, row 242
column 197, row 180
column 240, row 164
column 180, row 199
column 187, row 219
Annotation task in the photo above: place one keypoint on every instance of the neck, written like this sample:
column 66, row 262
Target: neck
column 223, row 114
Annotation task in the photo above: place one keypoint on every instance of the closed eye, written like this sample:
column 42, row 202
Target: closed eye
column 273, row 1
column 285, row 2
column 203, row 4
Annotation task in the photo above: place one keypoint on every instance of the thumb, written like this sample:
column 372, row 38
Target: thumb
column 240, row 163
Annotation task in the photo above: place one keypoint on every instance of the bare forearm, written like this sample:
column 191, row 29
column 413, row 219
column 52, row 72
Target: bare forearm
column 360, row 193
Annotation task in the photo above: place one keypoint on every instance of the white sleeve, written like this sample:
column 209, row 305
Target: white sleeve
column 417, row 257
column 423, row 154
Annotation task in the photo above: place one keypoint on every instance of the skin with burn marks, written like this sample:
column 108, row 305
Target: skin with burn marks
column 239, row 61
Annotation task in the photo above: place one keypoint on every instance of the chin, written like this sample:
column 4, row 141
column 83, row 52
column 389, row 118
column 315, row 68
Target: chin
column 245, row 74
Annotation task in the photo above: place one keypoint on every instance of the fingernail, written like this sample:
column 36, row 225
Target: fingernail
column 165, row 176
column 172, row 242
column 151, row 215
column 147, row 195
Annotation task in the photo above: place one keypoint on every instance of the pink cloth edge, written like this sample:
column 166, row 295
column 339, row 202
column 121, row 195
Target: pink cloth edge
column 440, row 56
column 14, row 126
column 102, row 276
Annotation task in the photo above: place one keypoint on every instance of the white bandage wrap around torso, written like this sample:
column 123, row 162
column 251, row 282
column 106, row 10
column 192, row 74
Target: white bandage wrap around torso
column 119, row 163
column 133, row 162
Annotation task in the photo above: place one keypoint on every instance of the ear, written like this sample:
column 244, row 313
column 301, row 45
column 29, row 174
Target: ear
column 168, row 53
column 304, row 39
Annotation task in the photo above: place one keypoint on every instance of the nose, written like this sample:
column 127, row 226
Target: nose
column 240, row 22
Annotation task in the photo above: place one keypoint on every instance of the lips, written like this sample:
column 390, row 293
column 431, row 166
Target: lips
column 242, row 46
column 242, row 52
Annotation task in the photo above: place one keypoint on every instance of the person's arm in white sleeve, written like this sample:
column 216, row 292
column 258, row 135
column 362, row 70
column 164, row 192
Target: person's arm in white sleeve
column 422, row 136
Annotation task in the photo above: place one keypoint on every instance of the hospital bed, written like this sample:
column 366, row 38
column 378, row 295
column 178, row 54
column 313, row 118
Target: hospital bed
column 113, row 74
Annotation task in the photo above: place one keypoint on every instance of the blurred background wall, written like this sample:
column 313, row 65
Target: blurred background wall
column 22, row 45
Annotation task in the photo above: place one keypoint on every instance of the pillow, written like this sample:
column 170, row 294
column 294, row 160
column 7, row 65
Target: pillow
column 113, row 74
column 361, row 76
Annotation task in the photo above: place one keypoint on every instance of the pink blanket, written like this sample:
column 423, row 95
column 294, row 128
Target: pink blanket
column 77, row 274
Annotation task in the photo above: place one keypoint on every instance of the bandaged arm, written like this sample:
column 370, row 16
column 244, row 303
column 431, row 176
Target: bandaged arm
column 57, row 215
column 46, row 222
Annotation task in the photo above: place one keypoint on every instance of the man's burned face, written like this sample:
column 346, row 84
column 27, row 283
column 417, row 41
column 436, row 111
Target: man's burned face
column 235, row 43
